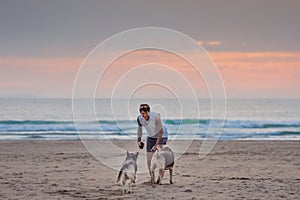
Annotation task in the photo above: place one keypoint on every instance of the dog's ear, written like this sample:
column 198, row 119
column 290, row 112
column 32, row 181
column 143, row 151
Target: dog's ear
column 158, row 148
column 127, row 152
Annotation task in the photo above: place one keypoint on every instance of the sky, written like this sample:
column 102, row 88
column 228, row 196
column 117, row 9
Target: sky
column 255, row 44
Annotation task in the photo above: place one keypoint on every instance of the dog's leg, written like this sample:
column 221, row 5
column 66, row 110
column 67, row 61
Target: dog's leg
column 162, row 173
column 124, row 184
column 171, row 174
column 134, row 178
column 152, row 173
column 127, row 188
column 160, row 176
column 123, row 179
column 152, row 177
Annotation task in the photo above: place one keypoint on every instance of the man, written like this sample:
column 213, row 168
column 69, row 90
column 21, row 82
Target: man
column 156, row 131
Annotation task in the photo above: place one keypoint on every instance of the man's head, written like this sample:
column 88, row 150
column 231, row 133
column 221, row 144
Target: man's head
column 145, row 110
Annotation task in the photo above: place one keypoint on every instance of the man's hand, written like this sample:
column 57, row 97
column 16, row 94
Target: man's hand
column 154, row 148
column 141, row 144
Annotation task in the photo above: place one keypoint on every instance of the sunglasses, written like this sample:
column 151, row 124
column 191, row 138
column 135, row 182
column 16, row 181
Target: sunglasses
column 144, row 106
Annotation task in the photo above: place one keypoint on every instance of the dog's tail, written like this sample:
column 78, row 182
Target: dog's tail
column 120, row 174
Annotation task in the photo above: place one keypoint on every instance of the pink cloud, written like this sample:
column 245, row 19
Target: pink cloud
column 210, row 43
column 244, row 73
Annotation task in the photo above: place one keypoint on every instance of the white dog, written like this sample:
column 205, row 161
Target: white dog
column 162, row 160
column 128, row 171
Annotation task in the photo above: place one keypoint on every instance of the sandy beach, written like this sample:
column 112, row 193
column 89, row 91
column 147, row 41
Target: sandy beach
column 233, row 170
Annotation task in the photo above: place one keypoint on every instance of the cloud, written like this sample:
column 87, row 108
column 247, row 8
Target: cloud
column 260, row 74
column 248, row 74
column 210, row 43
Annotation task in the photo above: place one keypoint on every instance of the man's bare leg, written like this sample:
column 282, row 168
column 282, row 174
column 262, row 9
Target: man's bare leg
column 149, row 157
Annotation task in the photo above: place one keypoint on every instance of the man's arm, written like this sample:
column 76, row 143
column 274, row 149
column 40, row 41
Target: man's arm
column 159, row 137
column 140, row 130
column 159, row 126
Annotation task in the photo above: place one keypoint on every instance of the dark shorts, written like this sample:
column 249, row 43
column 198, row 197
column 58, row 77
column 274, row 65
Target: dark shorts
column 152, row 141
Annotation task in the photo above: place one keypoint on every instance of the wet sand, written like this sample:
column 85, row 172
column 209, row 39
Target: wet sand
column 233, row 170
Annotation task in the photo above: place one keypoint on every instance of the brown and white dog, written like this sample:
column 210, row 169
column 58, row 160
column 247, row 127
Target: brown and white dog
column 128, row 171
column 162, row 159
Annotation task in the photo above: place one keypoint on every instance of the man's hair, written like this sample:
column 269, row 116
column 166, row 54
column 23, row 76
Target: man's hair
column 145, row 108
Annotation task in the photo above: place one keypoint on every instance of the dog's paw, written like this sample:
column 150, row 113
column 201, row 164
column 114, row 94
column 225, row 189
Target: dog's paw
column 171, row 182
column 127, row 192
column 158, row 181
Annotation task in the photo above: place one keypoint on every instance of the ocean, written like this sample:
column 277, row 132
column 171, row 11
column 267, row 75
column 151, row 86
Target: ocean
column 52, row 119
